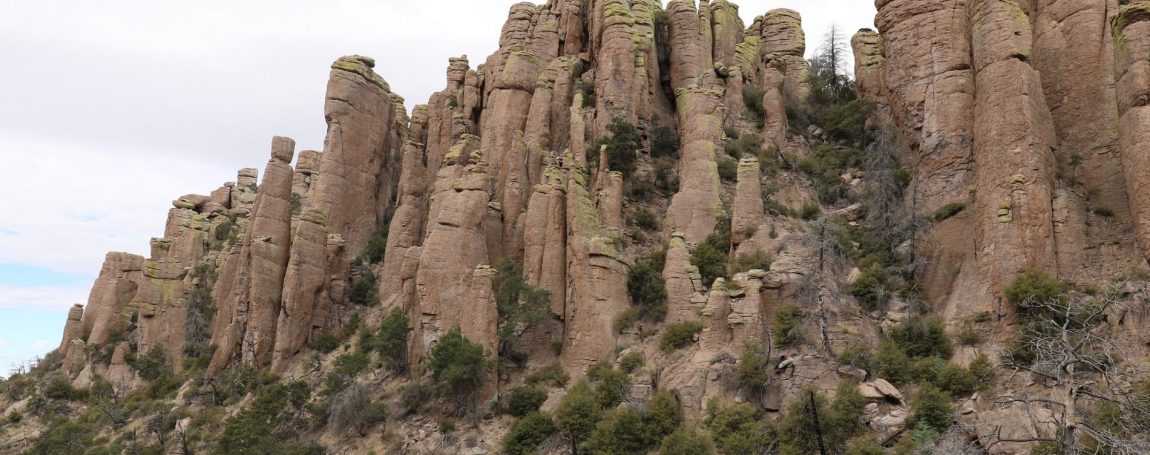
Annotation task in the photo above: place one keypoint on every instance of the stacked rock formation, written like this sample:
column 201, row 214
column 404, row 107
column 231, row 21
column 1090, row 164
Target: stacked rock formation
column 994, row 107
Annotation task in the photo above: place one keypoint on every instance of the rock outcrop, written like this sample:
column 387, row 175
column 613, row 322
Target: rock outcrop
column 1132, row 30
column 1016, row 131
column 249, row 307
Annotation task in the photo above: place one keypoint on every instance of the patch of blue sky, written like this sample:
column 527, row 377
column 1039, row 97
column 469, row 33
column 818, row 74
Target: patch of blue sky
column 25, row 275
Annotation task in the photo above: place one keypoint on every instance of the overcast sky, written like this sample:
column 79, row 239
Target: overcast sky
column 110, row 109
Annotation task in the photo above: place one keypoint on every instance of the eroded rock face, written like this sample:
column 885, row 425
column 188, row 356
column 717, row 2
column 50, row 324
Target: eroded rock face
column 163, row 294
column 353, row 187
column 930, row 86
column 250, row 308
column 782, row 35
column 1015, row 189
column 596, row 278
column 987, row 104
column 455, row 246
column 1132, row 26
column 346, row 205
column 108, row 309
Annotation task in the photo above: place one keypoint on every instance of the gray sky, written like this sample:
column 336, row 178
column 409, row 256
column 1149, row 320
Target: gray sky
column 111, row 109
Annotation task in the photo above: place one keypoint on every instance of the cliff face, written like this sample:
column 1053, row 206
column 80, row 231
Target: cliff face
column 1029, row 117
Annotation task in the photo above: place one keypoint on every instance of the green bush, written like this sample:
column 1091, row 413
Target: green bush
column 630, row 362
column 737, row 430
column 810, row 211
column 666, row 179
column 731, row 132
column 376, row 246
column 325, row 342
column 949, row 210
column 756, row 260
column 825, row 168
column 754, row 367
column 15, row 417
column 931, row 406
column 63, row 437
column 728, row 168
column 644, row 219
column 664, row 142
column 154, row 364
column 839, row 421
column 623, row 146
column 527, row 433
column 363, row 292
column 747, row 145
column 711, row 256
column 296, row 203
column 926, row 369
column 1034, row 285
column 525, row 400
column 626, row 319
column 893, row 363
column 346, row 367
column 56, row 386
column 551, row 375
column 619, row 432
column 686, row 441
column 627, row 430
column 520, row 307
column 391, row 340
column 611, row 386
column 1102, row 211
column 846, row 122
column 457, row 367
column 353, row 409
column 577, row 414
column 678, row 335
column 786, row 326
column 588, row 91
column 753, row 100
column 225, row 230
column 647, row 288
column 860, row 357
column 921, row 336
column 710, row 261
column 1019, row 352
column 267, row 426
column 872, row 288
column 956, row 380
column 661, row 417
column 864, row 445
column 983, row 371
column 412, row 396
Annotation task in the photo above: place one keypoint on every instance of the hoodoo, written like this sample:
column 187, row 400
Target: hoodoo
column 641, row 228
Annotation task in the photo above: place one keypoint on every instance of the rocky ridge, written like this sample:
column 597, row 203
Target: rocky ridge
column 1024, row 119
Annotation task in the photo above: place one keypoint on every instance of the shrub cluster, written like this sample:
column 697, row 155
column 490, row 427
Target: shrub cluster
column 623, row 146
column 678, row 335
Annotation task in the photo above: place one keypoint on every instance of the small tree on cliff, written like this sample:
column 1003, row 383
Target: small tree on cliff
column 457, row 365
column 521, row 307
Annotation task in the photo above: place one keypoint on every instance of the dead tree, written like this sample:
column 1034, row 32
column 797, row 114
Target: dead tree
column 1074, row 355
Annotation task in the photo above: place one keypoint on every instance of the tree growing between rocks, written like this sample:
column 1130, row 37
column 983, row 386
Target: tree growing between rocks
column 1073, row 351
column 521, row 307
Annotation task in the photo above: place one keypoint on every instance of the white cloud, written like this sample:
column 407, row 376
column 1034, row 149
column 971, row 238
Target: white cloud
column 43, row 297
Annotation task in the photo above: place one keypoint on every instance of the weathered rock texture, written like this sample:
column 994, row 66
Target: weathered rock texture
column 1022, row 114
column 246, row 322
